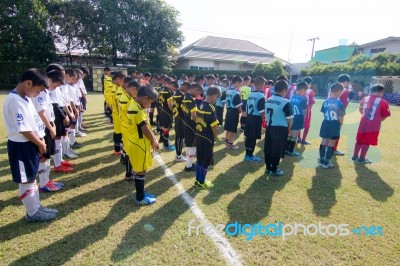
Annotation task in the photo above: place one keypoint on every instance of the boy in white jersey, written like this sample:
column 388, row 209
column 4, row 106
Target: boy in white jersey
column 25, row 143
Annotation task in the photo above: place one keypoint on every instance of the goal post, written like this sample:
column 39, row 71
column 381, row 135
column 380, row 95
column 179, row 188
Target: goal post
column 392, row 87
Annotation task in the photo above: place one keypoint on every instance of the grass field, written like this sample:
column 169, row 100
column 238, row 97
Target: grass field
column 99, row 224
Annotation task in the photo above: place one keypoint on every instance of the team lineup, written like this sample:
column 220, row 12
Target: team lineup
column 44, row 115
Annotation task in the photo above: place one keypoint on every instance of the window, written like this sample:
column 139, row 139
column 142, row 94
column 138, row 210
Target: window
column 201, row 68
column 194, row 67
column 377, row 50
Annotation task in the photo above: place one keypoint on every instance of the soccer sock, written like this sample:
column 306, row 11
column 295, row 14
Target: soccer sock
column 357, row 148
column 329, row 153
column 43, row 178
column 299, row 135
column 57, row 157
column 65, row 145
column 139, row 184
column 322, row 151
column 151, row 115
column 128, row 167
column 274, row 163
column 79, row 122
column 161, row 135
column 179, row 146
column 364, row 150
column 48, row 169
column 305, row 133
column 203, row 174
column 166, row 137
column 117, row 141
column 71, row 136
column 198, row 172
column 28, row 197
column 190, row 153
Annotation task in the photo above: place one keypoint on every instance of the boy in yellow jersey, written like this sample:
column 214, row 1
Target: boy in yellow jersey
column 244, row 94
column 141, row 141
column 124, row 101
column 107, row 82
column 117, row 90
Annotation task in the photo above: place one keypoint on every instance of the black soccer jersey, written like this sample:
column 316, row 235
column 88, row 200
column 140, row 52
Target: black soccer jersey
column 206, row 119
column 188, row 106
column 165, row 95
column 177, row 100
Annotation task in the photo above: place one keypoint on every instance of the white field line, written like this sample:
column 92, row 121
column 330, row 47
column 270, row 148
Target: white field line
column 225, row 248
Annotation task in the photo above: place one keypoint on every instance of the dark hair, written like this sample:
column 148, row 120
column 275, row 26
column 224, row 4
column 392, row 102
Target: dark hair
column 199, row 77
column 213, row 90
column 54, row 66
column 302, row 85
column 56, row 76
column 133, row 84
column 85, row 70
column 36, row 76
column 247, row 78
column 127, row 79
column 259, row 80
column 225, row 81
column 270, row 82
column 175, row 84
column 146, row 74
column 282, row 77
column 210, row 77
column 174, row 77
column 196, row 86
column 281, row 85
column 191, row 75
column 134, row 71
column 106, row 69
column 78, row 71
column 344, row 78
column 167, row 79
column 148, row 91
column 337, row 87
column 71, row 72
column 377, row 88
column 308, row 79
column 118, row 75
column 185, row 84
column 237, row 79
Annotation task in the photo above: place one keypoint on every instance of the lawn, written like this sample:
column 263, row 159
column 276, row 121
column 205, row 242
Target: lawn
column 99, row 224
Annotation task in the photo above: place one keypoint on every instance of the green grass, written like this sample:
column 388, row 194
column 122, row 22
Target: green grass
column 99, row 224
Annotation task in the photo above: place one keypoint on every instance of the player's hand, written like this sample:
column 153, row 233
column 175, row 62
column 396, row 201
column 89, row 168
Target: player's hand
column 155, row 146
column 53, row 132
column 66, row 120
column 42, row 147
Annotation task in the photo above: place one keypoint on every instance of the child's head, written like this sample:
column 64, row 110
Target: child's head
column 210, row 80
column 79, row 72
column 281, row 87
column 213, row 93
column 344, row 79
column 259, row 83
column 107, row 71
column 166, row 80
column 270, row 83
column 191, row 77
column 225, row 83
column 195, row 90
column 126, row 82
column 237, row 82
column 118, row 78
column 336, row 90
column 301, row 88
column 377, row 89
column 173, row 85
column 55, row 66
column 147, row 76
column 200, row 79
column 56, row 78
column 185, row 86
column 246, row 81
column 32, row 82
column 308, row 80
column 132, row 88
column 282, row 77
column 146, row 95
column 71, row 76
column 85, row 71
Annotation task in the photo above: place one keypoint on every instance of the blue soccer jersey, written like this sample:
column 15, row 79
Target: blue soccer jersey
column 221, row 100
column 233, row 99
column 278, row 110
column 333, row 109
column 255, row 103
column 299, row 104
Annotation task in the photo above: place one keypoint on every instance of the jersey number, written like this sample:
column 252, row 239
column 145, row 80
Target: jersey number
column 331, row 116
column 270, row 111
column 250, row 109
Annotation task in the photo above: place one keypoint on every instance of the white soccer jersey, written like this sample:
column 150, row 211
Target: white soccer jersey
column 42, row 102
column 66, row 95
column 56, row 97
column 77, row 94
column 20, row 115
column 82, row 86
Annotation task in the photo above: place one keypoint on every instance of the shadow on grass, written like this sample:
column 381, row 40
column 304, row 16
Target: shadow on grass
column 371, row 182
column 322, row 192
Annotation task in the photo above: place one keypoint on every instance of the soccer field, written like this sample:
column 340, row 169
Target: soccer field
column 99, row 224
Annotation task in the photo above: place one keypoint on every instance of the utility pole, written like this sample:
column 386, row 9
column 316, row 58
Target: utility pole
column 313, row 45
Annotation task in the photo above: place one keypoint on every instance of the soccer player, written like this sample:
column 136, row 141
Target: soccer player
column 299, row 103
column 307, row 119
column 141, row 141
column 210, row 82
column 279, row 116
column 166, row 115
column 267, row 93
column 244, row 95
column 189, row 109
column 255, row 115
column 25, row 131
column 206, row 133
column 118, row 80
column 374, row 110
column 334, row 111
column 179, row 117
column 107, row 86
column 220, row 104
column 233, row 110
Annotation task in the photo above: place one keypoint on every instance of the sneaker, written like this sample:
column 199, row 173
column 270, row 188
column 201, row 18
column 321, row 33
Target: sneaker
column 40, row 216
column 268, row 172
column 338, row 153
column 73, row 152
column 49, row 187
column 328, row 165
column 305, row 142
column 80, row 134
column 206, row 185
column 191, row 168
column 70, row 155
column 146, row 201
column 232, row 146
column 130, row 178
column 180, row 158
column 48, row 210
column 68, row 163
column 168, row 148
column 365, row 161
column 251, row 158
column 149, row 195
column 76, row 145
column 294, row 153
column 354, row 159
column 277, row 173
column 58, row 184
column 63, row 168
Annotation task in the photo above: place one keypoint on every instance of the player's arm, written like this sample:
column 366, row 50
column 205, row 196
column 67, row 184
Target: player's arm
column 74, row 110
column 47, row 123
column 193, row 114
column 170, row 103
column 33, row 138
column 261, row 107
column 237, row 102
column 149, row 134
column 288, row 110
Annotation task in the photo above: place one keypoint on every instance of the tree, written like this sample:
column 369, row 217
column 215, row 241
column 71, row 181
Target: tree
column 270, row 71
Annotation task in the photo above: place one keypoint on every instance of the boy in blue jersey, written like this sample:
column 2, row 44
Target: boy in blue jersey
column 255, row 115
column 334, row 111
column 220, row 104
column 299, row 103
column 279, row 116
column 233, row 110
column 209, row 83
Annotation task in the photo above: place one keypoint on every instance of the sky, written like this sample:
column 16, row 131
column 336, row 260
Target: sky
column 284, row 27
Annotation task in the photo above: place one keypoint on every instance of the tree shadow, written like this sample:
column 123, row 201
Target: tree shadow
column 371, row 182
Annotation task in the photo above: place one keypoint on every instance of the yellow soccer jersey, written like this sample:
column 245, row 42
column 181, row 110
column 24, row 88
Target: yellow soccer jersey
column 137, row 117
column 123, row 104
column 107, row 89
column 118, row 92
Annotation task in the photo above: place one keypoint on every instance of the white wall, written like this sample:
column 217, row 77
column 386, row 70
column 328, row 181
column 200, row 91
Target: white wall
column 392, row 47
column 201, row 63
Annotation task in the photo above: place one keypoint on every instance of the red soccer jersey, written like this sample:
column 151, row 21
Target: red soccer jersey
column 310, row 97
column 291, row 90
column 344, row 97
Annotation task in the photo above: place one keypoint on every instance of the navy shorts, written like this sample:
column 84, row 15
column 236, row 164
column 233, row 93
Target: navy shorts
column 24, row 160
column 298, row 122
column 330, row 130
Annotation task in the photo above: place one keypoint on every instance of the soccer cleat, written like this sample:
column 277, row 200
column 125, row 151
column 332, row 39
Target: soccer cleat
column 76, row 145
column 48, row 210
column 206, row 185
column 49, row 187
column 232, row 146
column 130, row 178
column 251, row 158
column 268, row 172
column 62, row 168
column 149, row 195
column 338, row 153
column 168, row 148
column 277, row 173
column 305, row 142
column 365, row 161
column 68, row 163
column 180, row 158
column 80, row 134
column 191, row 168
column 146, row 201
column 70, row 155
column 354, row 159
column 294, row 153
column 58, row 184
column 40, row 216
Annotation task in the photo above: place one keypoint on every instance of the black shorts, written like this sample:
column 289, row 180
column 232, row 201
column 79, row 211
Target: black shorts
column 244, row 105
column 190, row 133
column 298, row 122
column 219, row 110
column 253, row 127
column 50, row 145
column 59, row 123
column 24, row 161
column 275, row 141
column 153, row 104
column 204, row 151
column 165, row 119
column 179, row 127
column 231, row 120
column 330, row 130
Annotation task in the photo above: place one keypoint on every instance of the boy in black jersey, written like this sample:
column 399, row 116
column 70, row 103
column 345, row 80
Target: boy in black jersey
column 165, row 101
column 178, row 116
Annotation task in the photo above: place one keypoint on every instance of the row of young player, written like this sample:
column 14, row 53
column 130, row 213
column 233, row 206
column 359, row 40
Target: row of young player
column 38, row 114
